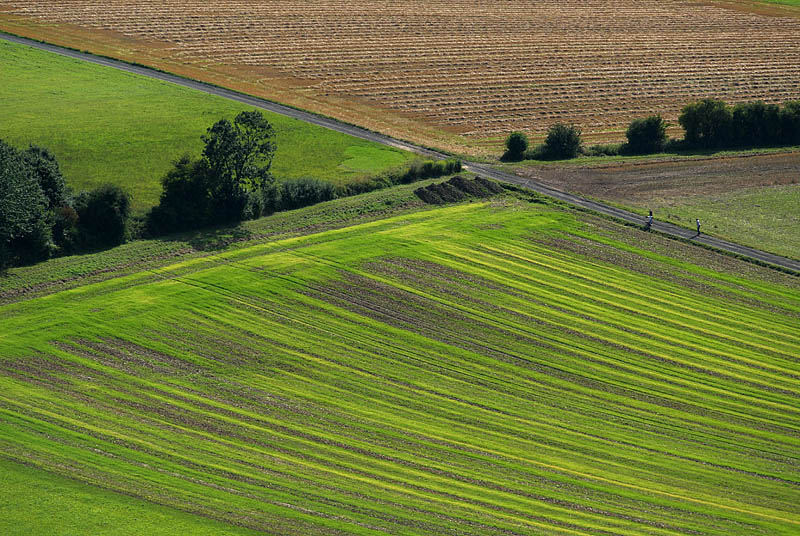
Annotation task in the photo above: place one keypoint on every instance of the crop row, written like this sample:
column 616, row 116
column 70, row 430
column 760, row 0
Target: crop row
column 480, row 67
column 473, row 381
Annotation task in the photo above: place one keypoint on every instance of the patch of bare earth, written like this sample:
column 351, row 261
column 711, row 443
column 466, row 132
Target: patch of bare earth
column 636, row 183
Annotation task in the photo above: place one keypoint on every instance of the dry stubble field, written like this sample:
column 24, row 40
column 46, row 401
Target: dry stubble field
column 456, row 74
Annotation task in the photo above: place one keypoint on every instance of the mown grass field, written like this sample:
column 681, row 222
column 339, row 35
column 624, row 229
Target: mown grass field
column 105, row 125
column 501, row 367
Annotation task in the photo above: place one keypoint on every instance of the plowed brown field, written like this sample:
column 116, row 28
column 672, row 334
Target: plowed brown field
column 458, row 74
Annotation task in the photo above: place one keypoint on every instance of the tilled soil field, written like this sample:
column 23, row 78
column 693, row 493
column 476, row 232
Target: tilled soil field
column 473, row 69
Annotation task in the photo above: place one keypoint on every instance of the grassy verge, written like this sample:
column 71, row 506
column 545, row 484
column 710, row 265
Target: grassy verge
column 105, row 125
column 483, row 368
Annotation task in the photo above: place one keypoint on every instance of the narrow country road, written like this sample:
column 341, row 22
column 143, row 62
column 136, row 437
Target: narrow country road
column 482, row 169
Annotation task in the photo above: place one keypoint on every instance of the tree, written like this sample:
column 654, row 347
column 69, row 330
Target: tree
column 241, row 153
column 46, row 171
column 790, row 123
column 562, row 141
column 231, row 182
column 103, row 216
column 647, row 135
column 707, row 123
column 755, row 124
column 24, row 231
column 516, row 145
column 239, row 157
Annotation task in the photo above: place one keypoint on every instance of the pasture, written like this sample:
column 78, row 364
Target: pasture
column 105, row 125
column 455, row 75
column 498, row 367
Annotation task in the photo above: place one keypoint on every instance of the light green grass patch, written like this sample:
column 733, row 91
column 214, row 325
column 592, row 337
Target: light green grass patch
column 371, row 159
column 106, row 125
column 34, row 502
column 766, row 218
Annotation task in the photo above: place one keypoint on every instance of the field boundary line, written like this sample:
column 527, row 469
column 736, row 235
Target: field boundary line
column 771, row 260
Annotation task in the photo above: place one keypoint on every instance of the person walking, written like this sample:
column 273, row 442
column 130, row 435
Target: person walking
column 698, row 225
column 649, row 222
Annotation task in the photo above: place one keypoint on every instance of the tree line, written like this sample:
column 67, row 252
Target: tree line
column 707, row 124
column 229, row 182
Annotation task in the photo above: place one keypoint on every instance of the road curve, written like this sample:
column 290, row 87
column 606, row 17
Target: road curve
column 482, row 169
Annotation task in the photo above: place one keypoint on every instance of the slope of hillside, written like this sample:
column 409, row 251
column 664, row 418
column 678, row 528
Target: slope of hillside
column 501, row 367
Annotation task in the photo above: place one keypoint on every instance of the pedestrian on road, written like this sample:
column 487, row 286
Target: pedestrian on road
column 649, row 222
column 698, row 225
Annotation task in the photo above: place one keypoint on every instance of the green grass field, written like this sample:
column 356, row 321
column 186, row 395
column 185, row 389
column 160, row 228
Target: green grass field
column 766, row 218
column 499, row 367
column 105, row 125
column 33, row 501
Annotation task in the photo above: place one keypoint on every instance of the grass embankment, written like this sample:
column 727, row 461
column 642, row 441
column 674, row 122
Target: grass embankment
column 105, row 125
column 487, row 368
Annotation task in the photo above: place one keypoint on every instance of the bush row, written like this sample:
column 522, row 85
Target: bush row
column 708, row 123
column 189, row 200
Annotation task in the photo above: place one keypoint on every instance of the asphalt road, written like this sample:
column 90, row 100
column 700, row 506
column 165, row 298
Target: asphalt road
column 475, row 167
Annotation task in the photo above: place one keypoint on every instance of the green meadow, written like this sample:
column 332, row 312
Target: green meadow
column 33, row 501
column 495, row 367
column 105, row 125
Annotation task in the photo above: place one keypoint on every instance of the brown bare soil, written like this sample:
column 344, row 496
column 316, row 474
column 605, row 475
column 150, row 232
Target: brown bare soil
column 458, row 74
column 662, row 181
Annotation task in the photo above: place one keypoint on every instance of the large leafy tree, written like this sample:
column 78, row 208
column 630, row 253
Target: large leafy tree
column 231, row 182
column 240, row 153
column 24, row 230
column 707, row 123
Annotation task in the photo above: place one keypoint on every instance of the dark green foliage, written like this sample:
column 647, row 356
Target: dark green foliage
column 304, row 192
column 103, row 217
column 707, row 123
column 606, row 149
column 516, row 145
column 648, row 135
column 240, row 153
column 562, row 141
column 45, row 168
column 231, row 182
column 790, row 123
column 24, row 231
column 755, row 124
column 185, row 198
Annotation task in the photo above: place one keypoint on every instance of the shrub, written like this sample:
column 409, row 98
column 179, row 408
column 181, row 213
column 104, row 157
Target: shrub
column 304, row 192
column 516, row 145
column 707, row 123
column 607, row 149
column 647, row 135
column 103, row 216
column 562, row 141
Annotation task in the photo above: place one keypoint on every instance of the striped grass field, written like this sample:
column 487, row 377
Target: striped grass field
column 487, row 368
